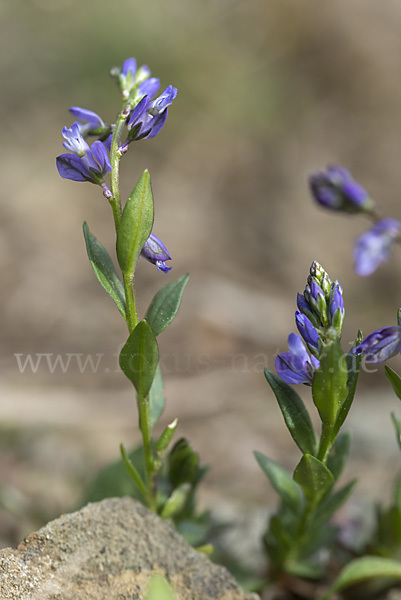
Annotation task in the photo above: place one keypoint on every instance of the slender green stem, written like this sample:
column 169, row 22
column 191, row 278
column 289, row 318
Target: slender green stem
column 130, row 299
column 136, row 478
column 131, row 309
column 143, row 403
column 325, row 443
column 144, row 413
column 115, row 201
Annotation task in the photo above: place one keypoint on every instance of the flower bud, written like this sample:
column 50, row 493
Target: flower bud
column 156, row 252
column 335, row 189
column 336, row 306
column 308, row 332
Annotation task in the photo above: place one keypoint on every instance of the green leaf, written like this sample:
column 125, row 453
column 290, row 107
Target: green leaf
column 339, row 454
column 139, row 358
column 135, row 225
column 112, row 481
column 314, row 477
column 353, row 367
column 165, row 305
column 397, row 426
column 388, row 531
column 175, row 503
column 133, row 473
column 361, row 569
column 281, row 481
column 397, row 492
column 183, row 464
column 394, row 379
column 329, row 388
column 304, row 569
column 104, row 270
column 157, row 399
column 166, row 436
column 332, row 503
column 295, row 415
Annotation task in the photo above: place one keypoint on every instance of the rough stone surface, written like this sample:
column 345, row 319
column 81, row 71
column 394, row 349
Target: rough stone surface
column 108, row 551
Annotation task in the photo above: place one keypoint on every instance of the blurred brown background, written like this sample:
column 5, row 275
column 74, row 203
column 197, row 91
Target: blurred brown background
column 268, row 91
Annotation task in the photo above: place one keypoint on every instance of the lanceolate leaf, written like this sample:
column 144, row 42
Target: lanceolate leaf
column 135, row 225
column 295, row 415
column 281, row 481
column 339, row 454
column 314, row 477
column 362, row 569
column 104, row 270
column 394, row 379
column 139, row 358
column 353, row 367
column 165, row 305
column 157, row 399
column 397, row 426
column 332, row 503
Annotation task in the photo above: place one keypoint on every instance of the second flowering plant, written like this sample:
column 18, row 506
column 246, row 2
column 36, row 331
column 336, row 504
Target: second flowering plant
column 165, row 478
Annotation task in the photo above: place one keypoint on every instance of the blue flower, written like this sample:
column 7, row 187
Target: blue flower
column 335, row 189
column 336, row 306
column 296, row 366
column 382, row 344
column 374, row 246
column 74, row 140
column 149, row 116
column 86, row 163
column 129, row 76
column 156, row 252
column 307, row 331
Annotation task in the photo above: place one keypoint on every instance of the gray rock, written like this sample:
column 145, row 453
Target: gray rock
column 108, row 551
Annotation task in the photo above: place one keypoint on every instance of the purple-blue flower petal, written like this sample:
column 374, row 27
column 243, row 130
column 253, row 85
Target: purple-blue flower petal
column 156, row 124
column 138, row 111
column 302, row 303
column 334, row 188
column 74, row 140
column 382, row 344
column 149, row 87
column 100, row 155
column 296, row 346
column 156, row 252
column 336, row 306
column 296, row 366
column 71, row 166
column 163, row 101
column 307, row 330
column 374, row 246
column 129, row 65
column 291, row 368
column 88, row 116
